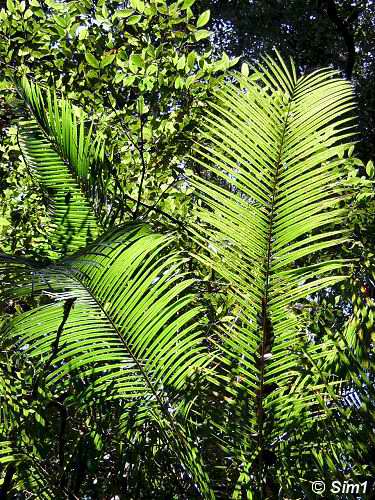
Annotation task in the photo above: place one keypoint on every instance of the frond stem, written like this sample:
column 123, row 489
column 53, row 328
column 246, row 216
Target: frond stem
column 266, row 343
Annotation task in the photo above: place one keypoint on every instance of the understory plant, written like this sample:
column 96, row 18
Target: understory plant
column 121, row 376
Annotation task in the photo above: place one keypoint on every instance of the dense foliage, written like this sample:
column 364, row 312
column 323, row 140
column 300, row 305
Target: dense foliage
column 186, row 252
column 140, row 71
column 118, row 338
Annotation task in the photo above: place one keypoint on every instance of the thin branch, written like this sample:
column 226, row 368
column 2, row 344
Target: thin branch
column 158, row 210
column 141, row 154
column 162, row 194
column 347, row 34
column 55, row 345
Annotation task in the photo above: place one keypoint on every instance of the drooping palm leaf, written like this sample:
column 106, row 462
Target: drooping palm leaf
column 65, row 126
column 274, row 145
column 63, row 157
column 123, row 319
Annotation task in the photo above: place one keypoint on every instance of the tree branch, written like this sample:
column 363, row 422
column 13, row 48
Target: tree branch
column 55, row 345
column 346, row 33
column 141, row 154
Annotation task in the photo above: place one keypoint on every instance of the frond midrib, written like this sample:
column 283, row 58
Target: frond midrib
column 265, row 314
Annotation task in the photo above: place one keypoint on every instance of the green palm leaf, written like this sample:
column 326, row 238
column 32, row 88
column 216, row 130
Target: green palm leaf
column 274, row 145
column 122, row 318
column 63, row 158
column 65, row 127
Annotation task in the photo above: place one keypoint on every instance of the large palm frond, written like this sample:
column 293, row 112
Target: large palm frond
column 64, row 157
column 124, row 319
column 121, row 318
column 273, row 146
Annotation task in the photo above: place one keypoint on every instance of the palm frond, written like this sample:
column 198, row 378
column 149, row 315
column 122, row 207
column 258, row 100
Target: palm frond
column 124, row 319
column 63, row 157
column 65, row 127
column 273, row 149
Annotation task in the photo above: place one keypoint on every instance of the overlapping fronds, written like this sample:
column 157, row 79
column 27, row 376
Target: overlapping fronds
column 120, row 320
column 123, row 318
column 125, row 285
column 63, row 156
column 273, row 144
